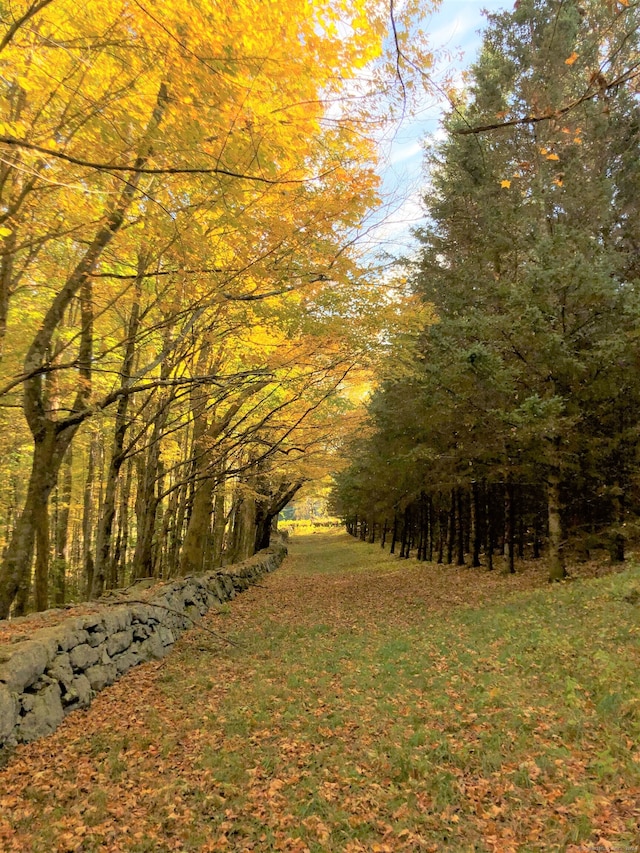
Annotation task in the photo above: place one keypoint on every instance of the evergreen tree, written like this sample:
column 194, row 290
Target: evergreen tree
column 527, row 377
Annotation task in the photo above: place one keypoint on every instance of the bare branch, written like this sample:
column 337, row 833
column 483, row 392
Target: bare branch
column 13, row 29
column 138, row 169
column 589, row 95
column 399, row 53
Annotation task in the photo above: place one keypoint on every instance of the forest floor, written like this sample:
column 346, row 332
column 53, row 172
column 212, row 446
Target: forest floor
column 370, row 704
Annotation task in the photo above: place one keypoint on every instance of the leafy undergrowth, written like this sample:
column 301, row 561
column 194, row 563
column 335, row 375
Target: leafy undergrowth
column 373, row 705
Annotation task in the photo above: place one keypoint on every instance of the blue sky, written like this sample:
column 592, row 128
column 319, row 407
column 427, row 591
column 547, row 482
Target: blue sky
column 453, row 29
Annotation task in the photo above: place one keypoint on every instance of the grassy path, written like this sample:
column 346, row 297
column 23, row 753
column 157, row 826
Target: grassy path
column 374, row 705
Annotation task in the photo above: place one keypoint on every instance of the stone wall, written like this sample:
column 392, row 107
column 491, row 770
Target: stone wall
column 61, row 668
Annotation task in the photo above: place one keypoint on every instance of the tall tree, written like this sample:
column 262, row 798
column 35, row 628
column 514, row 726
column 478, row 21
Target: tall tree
column 532, row 282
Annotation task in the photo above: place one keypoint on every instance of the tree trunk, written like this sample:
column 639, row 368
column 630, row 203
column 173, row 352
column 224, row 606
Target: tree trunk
column 87, row 520
column 268, row 508
column 509, row 524
column 537, row 525
column 442, row 533
column 557, row 569
column 41, row 575
column 6, row 277
column 219, row 523
column 107, row 517
column 616, row 550
column 406, row 534
column 118, row 562
column 63, row 508
column 195, row 540
column 244, row 528
column 490, row 497
column 461, row 536
column 15, row 574
column 394, row 534
column 452, row 528
column 146, row 508
column 476, row 523
column 176, row 532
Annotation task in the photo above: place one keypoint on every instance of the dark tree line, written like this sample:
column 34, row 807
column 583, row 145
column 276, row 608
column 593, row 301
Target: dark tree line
column 510, row 423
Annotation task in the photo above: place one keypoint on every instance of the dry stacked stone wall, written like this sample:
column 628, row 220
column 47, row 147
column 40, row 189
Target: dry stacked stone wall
column 61, row 668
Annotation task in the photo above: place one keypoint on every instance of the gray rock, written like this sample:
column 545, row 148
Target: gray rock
column 228, row 585
column 83, row 656
column 209, row 599
column 48, row 637
column 173, row 604
column 45, row 715
column 219, row 591
column 73, row 637
column 79, row 694
column 156, row 613
column 95, row 638
column 192, row 615
column 125, row 661
column 61, row 670
column 93, row 621
column 191, row 594
column 119, row 642
column 152, row 648
column 141, row 632
column 167, row 637
column 27, row 662
column 102, row 675
column 9, row 708
column 27, row 702
column 117, row 619
column 140, row 612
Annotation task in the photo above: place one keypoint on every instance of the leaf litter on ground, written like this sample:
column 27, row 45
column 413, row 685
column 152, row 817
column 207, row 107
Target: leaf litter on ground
column 375, row 705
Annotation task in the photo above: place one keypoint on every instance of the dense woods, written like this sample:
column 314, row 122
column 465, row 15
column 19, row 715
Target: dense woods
column 185, row 308
column 509, row 424
column 181, row 190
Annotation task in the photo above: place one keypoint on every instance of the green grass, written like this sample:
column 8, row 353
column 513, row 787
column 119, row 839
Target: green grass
column 352, row 719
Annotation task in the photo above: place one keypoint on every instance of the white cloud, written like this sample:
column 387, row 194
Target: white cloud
column 405, row 152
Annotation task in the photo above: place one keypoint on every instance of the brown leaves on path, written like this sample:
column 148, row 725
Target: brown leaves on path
column 374, row 706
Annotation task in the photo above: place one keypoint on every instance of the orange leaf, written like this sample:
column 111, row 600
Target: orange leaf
column 571, row 59
column 505, row 184
column 552, row 157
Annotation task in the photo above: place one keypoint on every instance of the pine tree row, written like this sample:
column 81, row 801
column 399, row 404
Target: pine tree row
column 526, row 377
